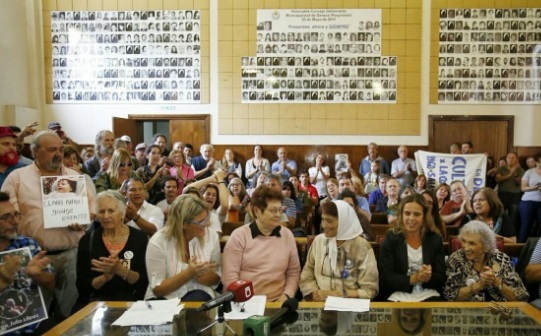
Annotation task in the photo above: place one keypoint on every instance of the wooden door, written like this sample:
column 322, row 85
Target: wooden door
column 123, row 126
column 192, row 129
column 490, row 134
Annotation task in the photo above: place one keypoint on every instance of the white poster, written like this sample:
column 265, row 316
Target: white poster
column 489, row 55
column 446, row 168
column 64, row 200
column 142, row 56
column 319, row 55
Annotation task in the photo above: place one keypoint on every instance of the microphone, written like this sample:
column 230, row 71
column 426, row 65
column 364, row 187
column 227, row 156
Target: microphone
column 289, row 308
column 238, row 291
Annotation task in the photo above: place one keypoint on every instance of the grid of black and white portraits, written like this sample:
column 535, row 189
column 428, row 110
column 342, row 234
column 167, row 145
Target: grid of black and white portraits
column 119, row 56
column 319, row 66
column 490, row 56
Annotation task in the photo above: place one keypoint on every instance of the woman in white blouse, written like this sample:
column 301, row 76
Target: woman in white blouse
column 183, row 258
column 256, row 165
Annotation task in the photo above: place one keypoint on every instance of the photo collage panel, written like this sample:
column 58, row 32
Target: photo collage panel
column 489, row 56
column 142, row 56
column 299, row 59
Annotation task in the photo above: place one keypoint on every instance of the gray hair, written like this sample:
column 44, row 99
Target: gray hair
column 115, row 196
column 488, row 237
column 373, row 144
column 274, row 177
column 99, row 138
column 36, row 140
column 203, row 146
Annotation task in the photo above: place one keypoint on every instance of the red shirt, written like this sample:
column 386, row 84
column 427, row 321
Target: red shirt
column 311, row 190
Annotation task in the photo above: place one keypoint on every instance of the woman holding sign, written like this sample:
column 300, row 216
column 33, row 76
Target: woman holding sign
column 111, row 259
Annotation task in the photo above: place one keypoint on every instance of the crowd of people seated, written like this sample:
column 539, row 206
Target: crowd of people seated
column 158, row 215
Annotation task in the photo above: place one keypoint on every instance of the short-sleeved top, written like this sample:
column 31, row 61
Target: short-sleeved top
column 407, row 178
column 276, row 166
column 509, row 185
column 533, row 178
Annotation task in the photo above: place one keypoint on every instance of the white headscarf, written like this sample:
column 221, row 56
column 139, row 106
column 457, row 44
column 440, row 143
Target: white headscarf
column 349, row 227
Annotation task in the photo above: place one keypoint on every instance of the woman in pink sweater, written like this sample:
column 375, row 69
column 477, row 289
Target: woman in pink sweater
column 263, row 251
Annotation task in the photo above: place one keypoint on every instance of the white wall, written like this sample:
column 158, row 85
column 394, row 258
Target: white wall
column 82, row 121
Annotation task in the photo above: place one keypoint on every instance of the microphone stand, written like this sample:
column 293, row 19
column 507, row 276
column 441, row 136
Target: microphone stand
column 223, row 308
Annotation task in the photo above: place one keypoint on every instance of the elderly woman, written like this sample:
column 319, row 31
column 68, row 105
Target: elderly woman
column 489, row 209
column 411, row 262
column 180, row 170
column 183, row 258
column 264, row 251
column 111, row 259
column 119, row 171
column 479, row 272
column 340, row 262
column 256, row 165
column 332, row 190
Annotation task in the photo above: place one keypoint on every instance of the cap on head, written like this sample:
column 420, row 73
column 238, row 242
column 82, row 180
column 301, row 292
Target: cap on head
column 125, row 138
column 53, row 125
column 6, row 132
column 141, row 146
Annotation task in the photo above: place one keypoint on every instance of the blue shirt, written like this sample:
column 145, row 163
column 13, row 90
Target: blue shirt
column 374, row 196
column 276, row 166
column 17, row 243
column 4, row 175
column 199, row 163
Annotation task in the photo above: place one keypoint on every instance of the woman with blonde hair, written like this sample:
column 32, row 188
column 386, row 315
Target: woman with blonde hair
column 229, row 164
column 119, row 171
column 183, row 172
column 183, row 258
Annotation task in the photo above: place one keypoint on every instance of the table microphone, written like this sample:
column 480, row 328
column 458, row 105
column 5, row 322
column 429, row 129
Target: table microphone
column 289, row 308
column 238, row 291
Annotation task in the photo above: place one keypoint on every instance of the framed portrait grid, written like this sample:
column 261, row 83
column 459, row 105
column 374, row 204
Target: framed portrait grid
column 122, row 56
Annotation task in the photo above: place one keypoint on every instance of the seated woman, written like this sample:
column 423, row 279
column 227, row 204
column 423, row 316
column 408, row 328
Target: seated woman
column 237, row 200
column 443, row 194
column 229, row 164
column 420, row 184
column 264, row 251
column 479, row 272
column 259, row 180
column 183, row 259
column 412, row 259
column 119, row 171
column 288, row 190
column 340, row 262
column 111, row 258
column 332, row 190
column 430, row 199
column 72, row 159
column 152, row 172
column 180, row 170
column 489, row 209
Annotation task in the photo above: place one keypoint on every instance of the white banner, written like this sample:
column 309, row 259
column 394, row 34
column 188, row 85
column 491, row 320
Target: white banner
column 65, row 201
column 446, row 168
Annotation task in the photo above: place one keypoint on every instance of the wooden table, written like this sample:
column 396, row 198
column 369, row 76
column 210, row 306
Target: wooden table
column 440, row 318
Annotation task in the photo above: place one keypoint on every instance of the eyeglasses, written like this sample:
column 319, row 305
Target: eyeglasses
column 202, row 222
column 124, row 164
column 275, row 211
column 9, row 217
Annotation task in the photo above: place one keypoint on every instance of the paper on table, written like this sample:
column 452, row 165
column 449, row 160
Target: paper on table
column 346, row 304
column 254, row 306
column 162, row 312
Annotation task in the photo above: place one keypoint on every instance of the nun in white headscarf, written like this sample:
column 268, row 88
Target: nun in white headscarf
column 340, row 262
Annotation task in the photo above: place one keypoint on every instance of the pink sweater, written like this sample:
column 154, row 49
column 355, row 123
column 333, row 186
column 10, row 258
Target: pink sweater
column 270, row 262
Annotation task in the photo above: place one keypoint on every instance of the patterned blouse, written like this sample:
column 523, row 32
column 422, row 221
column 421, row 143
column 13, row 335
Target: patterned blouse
column 460, row 272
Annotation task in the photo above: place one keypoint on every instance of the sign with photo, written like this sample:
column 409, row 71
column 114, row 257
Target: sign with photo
column 319, row 55
column 22, row 303
column 126, row 56
column 489, row 55
column 64, row 200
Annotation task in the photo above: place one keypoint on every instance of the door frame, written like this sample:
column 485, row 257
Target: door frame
column 153, row 117
column 509, row 119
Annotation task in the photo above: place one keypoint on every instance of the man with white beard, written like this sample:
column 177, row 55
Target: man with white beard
column 104, row 146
